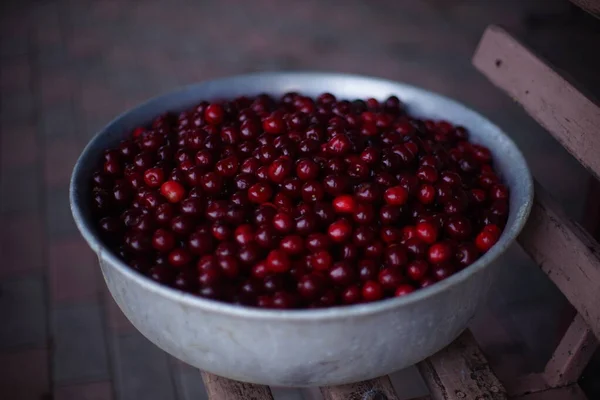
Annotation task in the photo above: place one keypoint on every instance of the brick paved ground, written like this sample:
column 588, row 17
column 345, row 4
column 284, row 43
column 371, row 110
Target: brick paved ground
column 68, row 67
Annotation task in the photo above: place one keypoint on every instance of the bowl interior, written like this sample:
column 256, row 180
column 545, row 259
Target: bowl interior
column 508, row 160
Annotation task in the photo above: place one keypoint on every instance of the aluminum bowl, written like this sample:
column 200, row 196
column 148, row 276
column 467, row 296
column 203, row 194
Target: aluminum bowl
column 304, row 347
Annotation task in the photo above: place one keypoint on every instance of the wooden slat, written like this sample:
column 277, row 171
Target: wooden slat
column 373, row 389
column 572, row 118
column 572, row 354
column 591, row 6
column 567, row 254
column 572, row 392
column 460, row 371
column 524, row 384
column 219, row 388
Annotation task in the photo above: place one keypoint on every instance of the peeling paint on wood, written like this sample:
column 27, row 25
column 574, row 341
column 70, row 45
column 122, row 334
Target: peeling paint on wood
column 373, row 389
column 571, row 117
column 591, row 6
column 567, row 254
column 572, row 354
column 460, row 371
column 220, row 388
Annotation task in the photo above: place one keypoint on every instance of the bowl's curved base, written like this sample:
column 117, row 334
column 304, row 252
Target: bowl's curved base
column 299, row 354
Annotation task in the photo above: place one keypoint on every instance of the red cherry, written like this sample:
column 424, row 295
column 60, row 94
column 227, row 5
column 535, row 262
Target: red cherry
column 351, row 295
column 485, row 240
column 283, row 222
column 280, row 169
column 395, row 196
column 311, row 286
column 493, row 229
column 163, row 240
column 180, row 258
column 439, row 253
column 342, row 273
column 307, row 170
column 372, row 291
column 228, row 265
column 273, row 124
column 339, row 145
column 292, row 244
column 173, row 191
column 340, row 231
column 426, row 194
column 403, row 290
column 427, row 232
column 344, row 204
column 214, row 114
column 154, row 177
column 244, row 234
column 321, row 261
column 260, row 193
column 417, row 270
column 395, row 256
column 278, row 261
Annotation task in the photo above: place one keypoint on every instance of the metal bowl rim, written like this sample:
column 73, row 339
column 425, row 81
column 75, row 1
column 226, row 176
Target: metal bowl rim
column 333, row 313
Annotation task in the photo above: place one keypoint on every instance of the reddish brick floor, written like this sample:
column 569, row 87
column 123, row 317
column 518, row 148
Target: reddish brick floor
column 68, row 66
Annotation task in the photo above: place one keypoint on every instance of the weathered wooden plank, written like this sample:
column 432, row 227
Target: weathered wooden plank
column 572, row 354
column 567, row 254
column 572, row 392
column 460, row 371
column 374, row 389
column 571, row 117
column 524, row 384
column 219, row 388
column 591, row 6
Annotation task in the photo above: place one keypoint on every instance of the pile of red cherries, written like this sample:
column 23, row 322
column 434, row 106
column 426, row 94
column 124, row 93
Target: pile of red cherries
column 295, row 202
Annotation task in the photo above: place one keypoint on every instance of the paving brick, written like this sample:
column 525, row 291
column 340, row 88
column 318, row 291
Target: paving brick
column 90, row 391
column 22, row 306
column 98, row 98
column 47, row 36
column 59, row 120
column 73, row 271
column 80, row 352
column 20, row 190
column 60, row 156
column 18, row 128
column 59, row 221
column 108, row 11
column 20, row 106
column 57, row 88
column 141, row 369
column 21, row 245
column 24, row 374
column 86, row 45
column 15, row 75
column 117, row 321
column 14, row 35
column 53, row 58
column 45, row 14
column 18, row 150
